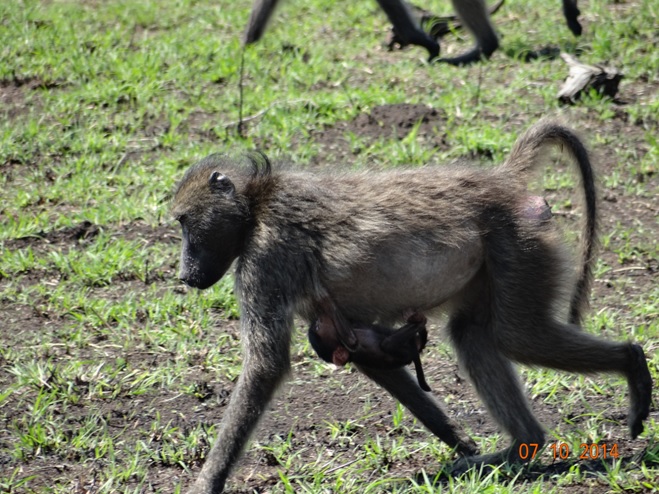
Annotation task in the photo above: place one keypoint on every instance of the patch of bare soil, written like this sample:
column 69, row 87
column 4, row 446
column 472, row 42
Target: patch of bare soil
column 383, row 122
column 396, row 121
column 85, row 231
column 80, row 233
column 19, row 96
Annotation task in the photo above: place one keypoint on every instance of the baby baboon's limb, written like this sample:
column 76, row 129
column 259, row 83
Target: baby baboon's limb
column 408, row 341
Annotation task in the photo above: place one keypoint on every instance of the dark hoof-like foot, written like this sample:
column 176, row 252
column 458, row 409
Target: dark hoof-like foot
column 464, row 465
column 640, row 391
column 479, row 462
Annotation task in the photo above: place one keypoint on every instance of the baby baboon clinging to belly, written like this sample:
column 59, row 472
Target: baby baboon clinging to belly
column 376, row 346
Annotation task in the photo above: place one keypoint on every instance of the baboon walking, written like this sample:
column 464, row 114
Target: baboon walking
column 379, row 243
column 472, row 13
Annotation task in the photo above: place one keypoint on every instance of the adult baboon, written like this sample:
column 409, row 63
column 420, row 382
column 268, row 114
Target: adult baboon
column 473, row 15
column 376, row 346
column 379, row 243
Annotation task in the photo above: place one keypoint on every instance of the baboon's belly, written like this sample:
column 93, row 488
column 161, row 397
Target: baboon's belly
column 402, row 276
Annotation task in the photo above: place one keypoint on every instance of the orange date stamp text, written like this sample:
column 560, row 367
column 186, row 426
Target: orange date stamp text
column 593, row 451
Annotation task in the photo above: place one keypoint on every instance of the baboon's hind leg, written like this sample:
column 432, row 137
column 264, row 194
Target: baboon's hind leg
column 475, row 17
column 567, row 347
column 499, row 388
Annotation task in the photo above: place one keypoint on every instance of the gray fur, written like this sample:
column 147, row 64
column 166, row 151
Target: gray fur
column 379, row 244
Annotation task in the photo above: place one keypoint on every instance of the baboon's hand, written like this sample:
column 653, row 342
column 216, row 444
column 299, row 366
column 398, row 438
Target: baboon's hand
column 340, row 356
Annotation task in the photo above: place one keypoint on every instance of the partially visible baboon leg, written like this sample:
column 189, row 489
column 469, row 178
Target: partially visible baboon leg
column 398, row 13
column 498, row 323
column 474, row 16
column 567, row 347
column 258, row 20
column 266, row 363
column 571, row 13
column 498, row 385
column 406, row 28
column 404, row 387
column 639, row 382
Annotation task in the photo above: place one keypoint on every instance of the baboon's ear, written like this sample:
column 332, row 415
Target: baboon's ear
column 220, row 182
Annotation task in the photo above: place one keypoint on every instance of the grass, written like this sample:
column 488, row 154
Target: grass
column 113, row 375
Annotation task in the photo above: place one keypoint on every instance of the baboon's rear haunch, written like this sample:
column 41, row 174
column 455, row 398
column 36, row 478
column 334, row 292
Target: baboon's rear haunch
column 380, row 243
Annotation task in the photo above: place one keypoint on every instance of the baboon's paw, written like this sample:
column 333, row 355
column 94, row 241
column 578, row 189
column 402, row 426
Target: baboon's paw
column 640, row 391
column 467, row 446
column 483, row 463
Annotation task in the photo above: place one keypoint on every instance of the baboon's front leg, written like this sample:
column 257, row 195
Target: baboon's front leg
column 266, row 352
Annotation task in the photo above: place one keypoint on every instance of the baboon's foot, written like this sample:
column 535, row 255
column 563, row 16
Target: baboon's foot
column 463, row 465
column 478, row 53
column 465, row 446
column 433, row 49
column 640, row 391
column 509, row 456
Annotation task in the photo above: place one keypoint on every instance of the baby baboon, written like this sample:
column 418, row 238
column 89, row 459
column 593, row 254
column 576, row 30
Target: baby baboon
column 379, row 243
column 377, row 346
column 472, row 13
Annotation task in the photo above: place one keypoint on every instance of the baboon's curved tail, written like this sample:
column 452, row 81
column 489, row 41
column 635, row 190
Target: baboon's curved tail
column 525, row 156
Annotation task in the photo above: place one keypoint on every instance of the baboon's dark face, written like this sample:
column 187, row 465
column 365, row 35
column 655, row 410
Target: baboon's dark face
column 213, row 218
